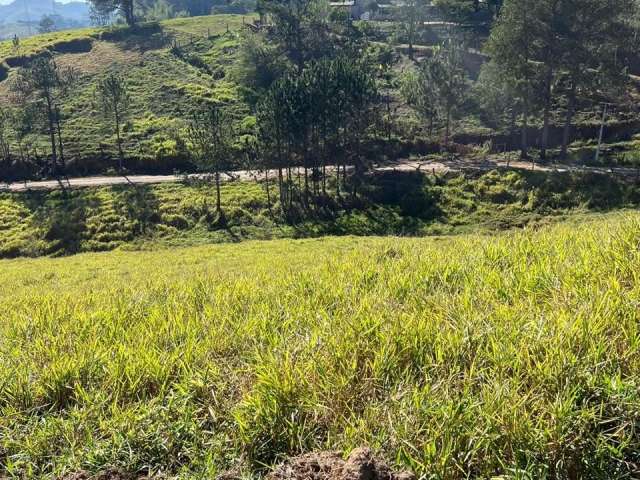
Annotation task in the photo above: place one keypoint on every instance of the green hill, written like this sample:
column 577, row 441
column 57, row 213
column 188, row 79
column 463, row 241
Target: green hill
column 170, row 68
column 514, row 356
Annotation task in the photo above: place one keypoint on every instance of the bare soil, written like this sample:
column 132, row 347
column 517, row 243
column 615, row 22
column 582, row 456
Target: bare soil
column 113, row 474
column 360, row 465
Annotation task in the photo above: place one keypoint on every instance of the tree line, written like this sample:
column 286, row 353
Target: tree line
column 550, row 53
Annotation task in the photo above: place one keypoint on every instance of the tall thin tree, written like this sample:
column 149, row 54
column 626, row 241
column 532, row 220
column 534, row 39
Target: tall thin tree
column 115, row 100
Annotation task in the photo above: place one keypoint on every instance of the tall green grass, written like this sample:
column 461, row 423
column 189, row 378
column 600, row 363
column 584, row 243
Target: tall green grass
column 471, row 357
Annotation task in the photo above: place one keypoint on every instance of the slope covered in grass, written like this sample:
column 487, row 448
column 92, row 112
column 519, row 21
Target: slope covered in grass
column 392, row 203
column 171, row 68
column 469, row 357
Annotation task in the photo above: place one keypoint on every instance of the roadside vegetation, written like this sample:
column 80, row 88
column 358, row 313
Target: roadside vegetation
column 392, row 203
column 514, row 355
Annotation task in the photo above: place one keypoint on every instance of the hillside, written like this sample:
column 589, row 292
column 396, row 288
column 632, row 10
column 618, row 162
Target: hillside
column 173, row 67
column 166, row 84
column 456, row 358
column 129, row 217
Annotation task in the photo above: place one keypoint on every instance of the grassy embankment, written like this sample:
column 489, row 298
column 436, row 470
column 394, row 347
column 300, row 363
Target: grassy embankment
column 94, row 219
column 466, row 357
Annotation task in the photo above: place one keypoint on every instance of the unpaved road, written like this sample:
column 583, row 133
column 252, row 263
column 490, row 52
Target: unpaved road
column 403, row 165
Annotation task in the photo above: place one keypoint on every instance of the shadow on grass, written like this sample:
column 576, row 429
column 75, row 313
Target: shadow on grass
column 61, row 217
column 389, row 203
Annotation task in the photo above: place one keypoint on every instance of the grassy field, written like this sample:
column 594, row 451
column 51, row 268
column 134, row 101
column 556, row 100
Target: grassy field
column 515, row 356
column 392, row 203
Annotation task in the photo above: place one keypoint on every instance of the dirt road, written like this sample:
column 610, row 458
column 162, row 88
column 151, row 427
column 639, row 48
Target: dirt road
column 403, row 165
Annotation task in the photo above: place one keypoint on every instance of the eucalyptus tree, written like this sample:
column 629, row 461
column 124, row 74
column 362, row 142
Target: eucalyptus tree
column 115, row 100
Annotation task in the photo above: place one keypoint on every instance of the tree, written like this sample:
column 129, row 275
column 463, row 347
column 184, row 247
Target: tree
column 5, row 146
column 124, row 7
column 443, row 78
column 300, row 29
column 101, row 13
column 46, row 25
column 554, row 48
column 115, row 99
column 498, row 100
column 418, row 91
column 41, row 85
column 260, row 63
column 160, row 10
column 23, row 124
column 210, row 134
column 411, row 14
column 597, row 32
column 511, row 47
column 315, row 118
column 271, row 118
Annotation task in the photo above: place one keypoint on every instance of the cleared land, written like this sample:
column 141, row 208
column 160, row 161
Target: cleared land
column 470, row 356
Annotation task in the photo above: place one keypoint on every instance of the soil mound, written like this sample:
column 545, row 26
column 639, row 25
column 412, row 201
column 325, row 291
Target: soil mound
column 114, row 474
column 361, row 465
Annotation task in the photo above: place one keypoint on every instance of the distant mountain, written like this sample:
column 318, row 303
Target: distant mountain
column 33, row 10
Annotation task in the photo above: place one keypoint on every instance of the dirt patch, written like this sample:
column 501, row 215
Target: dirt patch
column 102, row 56
column 114, row 474
column 360, row 465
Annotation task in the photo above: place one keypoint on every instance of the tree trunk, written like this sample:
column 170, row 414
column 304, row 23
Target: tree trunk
column 266, row 182
column 60, row 144
column 547, row 113
column 567, row 122
column 218, row 202
column 524, row 145
column 447, row 126
column 512, row 123
column 281, row 186
column 52, row 137
column 119, row 140
column 127, row 7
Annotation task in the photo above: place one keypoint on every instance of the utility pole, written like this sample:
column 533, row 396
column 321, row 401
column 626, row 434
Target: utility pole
column 604, row 115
